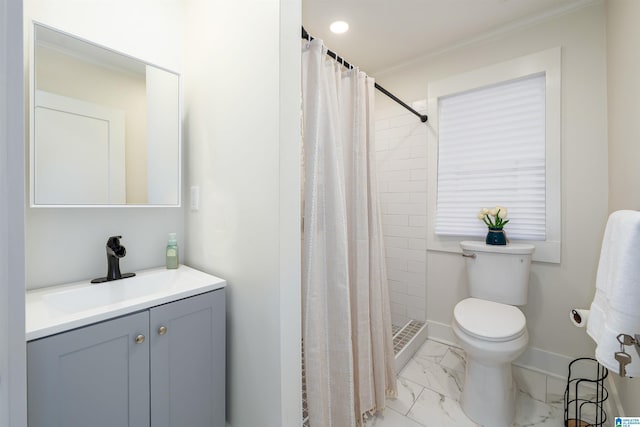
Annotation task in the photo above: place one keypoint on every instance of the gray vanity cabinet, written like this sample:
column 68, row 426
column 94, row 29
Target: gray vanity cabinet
column 93, row 376
column 187, row 362
column 162, row 367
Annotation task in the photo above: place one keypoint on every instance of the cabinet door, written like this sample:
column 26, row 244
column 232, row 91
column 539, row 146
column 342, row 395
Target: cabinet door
column 188, row 362
column 93, row 376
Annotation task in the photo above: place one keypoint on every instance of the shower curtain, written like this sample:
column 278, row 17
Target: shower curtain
column 348, row 348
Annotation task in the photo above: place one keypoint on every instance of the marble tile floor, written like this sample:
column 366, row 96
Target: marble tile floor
column 429, row 389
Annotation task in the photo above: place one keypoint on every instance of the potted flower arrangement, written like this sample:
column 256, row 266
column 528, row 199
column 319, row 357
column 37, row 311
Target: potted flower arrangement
column 495, row 219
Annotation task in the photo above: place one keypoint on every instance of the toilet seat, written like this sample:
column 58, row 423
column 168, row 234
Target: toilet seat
column 489, row 320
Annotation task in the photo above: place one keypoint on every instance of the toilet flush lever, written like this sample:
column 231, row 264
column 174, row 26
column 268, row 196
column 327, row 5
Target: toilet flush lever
column 468, row 255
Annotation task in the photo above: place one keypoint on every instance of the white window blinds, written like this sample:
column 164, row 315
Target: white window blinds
column 491, row 151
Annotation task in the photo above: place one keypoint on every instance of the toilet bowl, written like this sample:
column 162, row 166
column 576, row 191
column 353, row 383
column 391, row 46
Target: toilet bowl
column 492, row 335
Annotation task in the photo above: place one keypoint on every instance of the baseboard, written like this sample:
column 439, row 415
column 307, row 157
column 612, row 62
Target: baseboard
column 534, row 359
column 442, row 332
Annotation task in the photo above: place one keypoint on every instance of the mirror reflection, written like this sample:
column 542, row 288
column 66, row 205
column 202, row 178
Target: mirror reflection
column 105, row 126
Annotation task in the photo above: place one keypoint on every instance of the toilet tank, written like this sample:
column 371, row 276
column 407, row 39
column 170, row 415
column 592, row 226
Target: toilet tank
column 498, row 273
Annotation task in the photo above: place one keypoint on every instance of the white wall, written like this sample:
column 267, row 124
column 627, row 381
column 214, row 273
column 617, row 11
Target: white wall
column 13, row 397
column 243, row 132
column 623, row 77
column 554, row 288
column 68, row 244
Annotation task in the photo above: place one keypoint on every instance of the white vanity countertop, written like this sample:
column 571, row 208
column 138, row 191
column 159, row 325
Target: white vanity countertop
column 61, row 308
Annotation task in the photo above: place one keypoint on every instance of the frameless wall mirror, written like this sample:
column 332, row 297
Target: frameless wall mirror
column 105, row 127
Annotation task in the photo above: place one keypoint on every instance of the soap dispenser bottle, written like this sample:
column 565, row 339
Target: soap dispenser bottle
column 172, row 252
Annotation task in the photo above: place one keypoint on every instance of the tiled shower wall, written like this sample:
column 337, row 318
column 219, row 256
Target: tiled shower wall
column 401, row 145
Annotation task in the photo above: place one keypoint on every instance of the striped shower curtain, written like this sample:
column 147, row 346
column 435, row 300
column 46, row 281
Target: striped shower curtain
column 348, row 348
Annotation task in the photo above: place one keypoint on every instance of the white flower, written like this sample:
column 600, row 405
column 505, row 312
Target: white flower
column 494, row 218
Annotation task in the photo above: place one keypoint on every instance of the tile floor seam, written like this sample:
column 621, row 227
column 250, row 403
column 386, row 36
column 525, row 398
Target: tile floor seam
column 414, row 402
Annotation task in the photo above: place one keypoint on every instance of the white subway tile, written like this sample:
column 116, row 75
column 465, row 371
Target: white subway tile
column 418, row 244
column 401, row 151
column 403, row 175
column 416, row 313
column 400, row 231
column 406, row 120
column 418, row 174
column 395, row 219
column 399, row 287
column 417, row 186
column 386, row 198
column 382, row 144
column 386, row 133
column 417, row 163
column 405, row 208
column 397, row 264
column 382, row 124
column 400, row 299
column 418, row 151
column 397, row 275
column 398, row 308
column 416, row 279
column 419, row 197
column 396, row 242
column 408, row 254
column 417, row 290
column 415, row 302
column 418, row 220
column 398, row 319
column 394, row 164
column 400, row 186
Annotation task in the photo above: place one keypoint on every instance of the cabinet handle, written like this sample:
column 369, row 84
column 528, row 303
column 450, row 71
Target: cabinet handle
column 139, row 339
column 162, row 330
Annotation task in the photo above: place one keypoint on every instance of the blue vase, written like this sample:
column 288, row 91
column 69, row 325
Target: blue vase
column 496, row 236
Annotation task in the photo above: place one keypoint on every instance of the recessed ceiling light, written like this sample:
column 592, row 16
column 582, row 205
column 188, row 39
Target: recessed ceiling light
column 339, row 27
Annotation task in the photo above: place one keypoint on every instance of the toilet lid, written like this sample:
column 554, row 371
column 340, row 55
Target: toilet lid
column 488, row 320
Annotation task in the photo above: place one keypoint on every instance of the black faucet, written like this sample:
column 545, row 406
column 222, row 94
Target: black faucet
column 115, row 251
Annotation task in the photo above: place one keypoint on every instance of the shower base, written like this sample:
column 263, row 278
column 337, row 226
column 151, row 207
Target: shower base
column 407, row 339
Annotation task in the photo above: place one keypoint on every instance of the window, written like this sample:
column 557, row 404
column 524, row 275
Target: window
column 497, row 142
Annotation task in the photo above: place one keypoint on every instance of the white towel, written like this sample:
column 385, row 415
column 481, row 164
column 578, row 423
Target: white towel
column 616, row 306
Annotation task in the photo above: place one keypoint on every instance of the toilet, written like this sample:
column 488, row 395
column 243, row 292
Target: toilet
column 491, row 329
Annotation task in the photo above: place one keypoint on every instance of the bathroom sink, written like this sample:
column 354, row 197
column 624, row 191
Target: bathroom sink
column 64, row 307
column 108, row 293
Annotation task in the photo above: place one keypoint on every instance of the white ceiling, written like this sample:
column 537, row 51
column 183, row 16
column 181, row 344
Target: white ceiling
column 387, row 33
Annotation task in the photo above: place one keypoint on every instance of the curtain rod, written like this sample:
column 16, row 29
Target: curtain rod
column 423, row 118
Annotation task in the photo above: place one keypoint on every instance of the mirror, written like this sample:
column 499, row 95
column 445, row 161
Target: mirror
column 105, row 127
